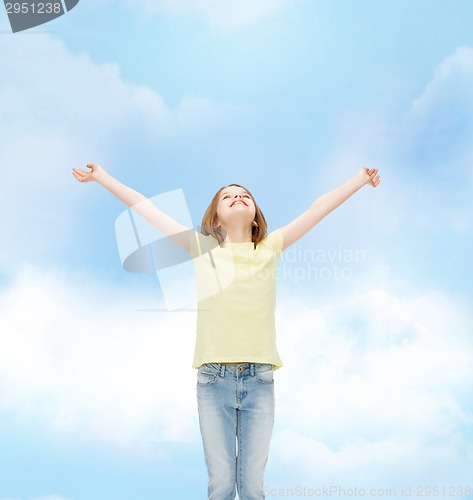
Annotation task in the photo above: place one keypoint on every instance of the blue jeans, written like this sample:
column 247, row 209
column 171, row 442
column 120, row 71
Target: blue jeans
column 236, row 407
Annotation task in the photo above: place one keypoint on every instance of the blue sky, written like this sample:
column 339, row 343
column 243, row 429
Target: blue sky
column 289, row 98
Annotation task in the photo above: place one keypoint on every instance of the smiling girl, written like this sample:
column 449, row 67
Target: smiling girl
column 235, row 351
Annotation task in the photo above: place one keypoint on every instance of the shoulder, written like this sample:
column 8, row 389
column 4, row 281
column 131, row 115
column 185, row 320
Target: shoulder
column 273, row 241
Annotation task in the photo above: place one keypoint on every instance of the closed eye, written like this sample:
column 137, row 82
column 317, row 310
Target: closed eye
column 228, row 196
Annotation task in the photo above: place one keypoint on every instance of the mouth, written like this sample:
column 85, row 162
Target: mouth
column 238, row 201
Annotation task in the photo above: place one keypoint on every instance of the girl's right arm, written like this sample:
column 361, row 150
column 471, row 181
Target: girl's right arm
column 177, row 232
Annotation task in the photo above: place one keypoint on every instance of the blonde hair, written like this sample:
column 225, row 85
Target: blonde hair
column 209, row 220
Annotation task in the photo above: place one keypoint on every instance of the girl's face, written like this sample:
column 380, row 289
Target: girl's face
column 235, row 205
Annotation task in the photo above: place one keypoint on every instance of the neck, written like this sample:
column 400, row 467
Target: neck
column 238, row 235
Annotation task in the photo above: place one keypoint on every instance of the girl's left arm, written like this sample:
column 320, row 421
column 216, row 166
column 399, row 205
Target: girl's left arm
column 325, row 204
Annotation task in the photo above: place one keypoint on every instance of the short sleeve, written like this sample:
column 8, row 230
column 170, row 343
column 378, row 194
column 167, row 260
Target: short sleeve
column 274, row 241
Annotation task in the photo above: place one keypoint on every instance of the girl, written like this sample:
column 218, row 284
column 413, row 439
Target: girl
column 235, row 350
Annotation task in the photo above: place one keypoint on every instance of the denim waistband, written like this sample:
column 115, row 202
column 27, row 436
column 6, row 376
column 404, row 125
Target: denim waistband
column 250, row 368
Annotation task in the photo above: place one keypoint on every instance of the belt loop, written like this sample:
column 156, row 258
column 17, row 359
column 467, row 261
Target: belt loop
column 222, row 370
column 252, row 369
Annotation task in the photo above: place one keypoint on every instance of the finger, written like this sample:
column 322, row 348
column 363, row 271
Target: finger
column 81, row 176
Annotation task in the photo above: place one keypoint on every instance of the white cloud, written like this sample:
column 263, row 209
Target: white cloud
column 384, row 378
column 424, row 156
column 373, row 388
column 61, row 110
column 390, row 464
column 85, row 359
column 437, row 128
column 230, row 15
column 376, row 388
column 49, row 93
column 450, row 85
column 433, row 140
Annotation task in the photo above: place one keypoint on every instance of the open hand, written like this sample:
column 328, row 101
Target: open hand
column 369, row 176
column 83, row 176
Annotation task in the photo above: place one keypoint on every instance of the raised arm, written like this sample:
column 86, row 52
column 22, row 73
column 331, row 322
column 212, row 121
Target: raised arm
column 325, row 204
column 177, row 232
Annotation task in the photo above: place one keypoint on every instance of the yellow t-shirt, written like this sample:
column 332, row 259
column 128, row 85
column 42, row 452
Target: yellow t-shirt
column 236, row 289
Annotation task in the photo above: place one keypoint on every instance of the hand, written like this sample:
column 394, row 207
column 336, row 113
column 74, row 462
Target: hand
column 369, row 176
column 83, row 176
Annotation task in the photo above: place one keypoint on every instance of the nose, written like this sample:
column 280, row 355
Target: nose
column 238, row 196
